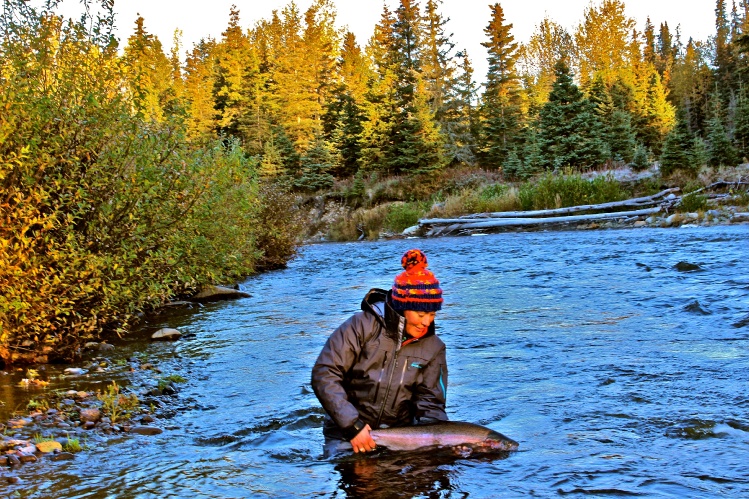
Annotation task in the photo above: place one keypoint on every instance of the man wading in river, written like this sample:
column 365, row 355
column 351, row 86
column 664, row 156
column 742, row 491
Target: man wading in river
column 384, row 366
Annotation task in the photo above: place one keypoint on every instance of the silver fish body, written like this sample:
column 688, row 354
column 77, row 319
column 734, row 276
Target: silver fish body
column 443, row 434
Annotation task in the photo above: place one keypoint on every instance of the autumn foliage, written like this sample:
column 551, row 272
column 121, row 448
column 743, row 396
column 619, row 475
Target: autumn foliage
column 104, row 211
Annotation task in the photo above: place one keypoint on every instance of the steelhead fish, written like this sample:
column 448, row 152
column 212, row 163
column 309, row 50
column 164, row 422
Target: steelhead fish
column 443, row 434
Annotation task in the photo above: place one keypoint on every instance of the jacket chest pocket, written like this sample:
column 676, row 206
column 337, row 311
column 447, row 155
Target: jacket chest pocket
column 411, row 372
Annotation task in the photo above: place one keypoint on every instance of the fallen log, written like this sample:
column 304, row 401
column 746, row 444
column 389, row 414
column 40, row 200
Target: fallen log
column 715, row 185
column 632, row 203
column 510, row 222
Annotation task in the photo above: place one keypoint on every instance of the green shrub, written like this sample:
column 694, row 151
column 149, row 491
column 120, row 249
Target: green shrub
column 105, row 213
column 401, row 216
column 558, row 191
column 117, row 405
column 693, row 202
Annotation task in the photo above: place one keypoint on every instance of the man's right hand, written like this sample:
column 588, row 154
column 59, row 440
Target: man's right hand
column 363, row 442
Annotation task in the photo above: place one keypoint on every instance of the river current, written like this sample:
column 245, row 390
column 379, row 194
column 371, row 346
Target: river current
column 619, row 372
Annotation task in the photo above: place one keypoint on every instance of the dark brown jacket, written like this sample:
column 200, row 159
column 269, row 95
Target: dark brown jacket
column 368, row 372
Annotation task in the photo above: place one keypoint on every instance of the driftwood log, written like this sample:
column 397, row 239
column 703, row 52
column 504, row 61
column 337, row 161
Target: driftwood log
column 457, row 225
column 629, row 209
column 627, row 203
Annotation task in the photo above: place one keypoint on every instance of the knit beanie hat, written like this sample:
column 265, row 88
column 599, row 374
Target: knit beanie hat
column 416, row 288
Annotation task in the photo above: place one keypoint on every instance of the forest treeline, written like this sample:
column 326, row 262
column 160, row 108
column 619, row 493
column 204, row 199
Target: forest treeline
column 130, row 176
column 313, row 104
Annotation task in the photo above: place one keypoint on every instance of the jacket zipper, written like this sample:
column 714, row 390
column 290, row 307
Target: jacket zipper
column 379, row 380
column 394, row 363
column 400, row 384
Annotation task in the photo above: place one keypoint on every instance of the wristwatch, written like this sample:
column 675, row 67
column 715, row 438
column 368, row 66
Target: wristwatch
column 354, row 429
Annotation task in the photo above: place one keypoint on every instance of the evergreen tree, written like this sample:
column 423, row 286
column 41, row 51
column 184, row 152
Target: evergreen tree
column 344, row 114
column 741, row 134
column 724, row 54
column 657, row 115
column 666, row 52
column 316, row 165
column 236, row 66
column 199, row 71
column 414, row 142
column 622, row 140
column 286, row 149
column 271, row 164
column 513, row 166
column 532, row 159
column 678, row 149
column 379, row 105
column 569, row 131
column 149, row 74
column 461, row 125
column 641, row 159
column 501, row 108
column 649, row 42
column 450, row 95
column 691, row 85
column 438, row 68
column 618, row 133
column 720, row 151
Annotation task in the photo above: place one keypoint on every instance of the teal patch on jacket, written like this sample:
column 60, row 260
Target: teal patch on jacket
column 416, row 365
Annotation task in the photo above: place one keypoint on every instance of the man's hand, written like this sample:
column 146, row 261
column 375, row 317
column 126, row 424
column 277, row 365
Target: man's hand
column 363, row 442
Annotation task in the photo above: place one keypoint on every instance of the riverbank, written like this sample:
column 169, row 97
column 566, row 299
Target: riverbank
column 395, row 207
column 51, row 414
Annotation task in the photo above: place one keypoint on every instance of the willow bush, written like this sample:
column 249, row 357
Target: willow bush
column 103, row 214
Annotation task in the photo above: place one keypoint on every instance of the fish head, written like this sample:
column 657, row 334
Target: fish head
column 495, row 441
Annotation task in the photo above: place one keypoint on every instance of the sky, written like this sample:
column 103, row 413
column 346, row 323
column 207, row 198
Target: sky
column 201, row 19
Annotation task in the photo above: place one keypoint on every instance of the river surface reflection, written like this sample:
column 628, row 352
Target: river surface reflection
column 618, row 374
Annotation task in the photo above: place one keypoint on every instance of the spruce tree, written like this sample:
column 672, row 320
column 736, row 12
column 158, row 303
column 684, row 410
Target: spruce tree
column 720, row 151
column 460, row 124
column 622, row 140
column 316, row 165
column 379, row 105
column 570, row 133
column 618, row 132
column 641, row 159
column 501, row 106
column 678, row 148
column 149, row 73
column 741, row 133
column 199, row 71
column 513, row 167
column 344, row 114
column 236, row 65
column 414, row 142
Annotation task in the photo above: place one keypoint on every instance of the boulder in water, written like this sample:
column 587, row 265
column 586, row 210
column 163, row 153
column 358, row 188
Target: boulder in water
column 218, row 293
column 166, row 334
column 146, row 430
column 696, row 308
column 687, row 267
column 90, row 415
column 49, row 446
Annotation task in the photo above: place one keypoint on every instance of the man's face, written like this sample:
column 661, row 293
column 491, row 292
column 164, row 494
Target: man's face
column 417, row 323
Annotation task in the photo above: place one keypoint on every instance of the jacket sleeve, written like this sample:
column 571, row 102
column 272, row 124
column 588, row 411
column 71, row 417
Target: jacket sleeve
column 431, row 396
column 336, row 358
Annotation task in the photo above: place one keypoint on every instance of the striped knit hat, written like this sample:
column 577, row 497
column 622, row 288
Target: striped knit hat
column 416, row 288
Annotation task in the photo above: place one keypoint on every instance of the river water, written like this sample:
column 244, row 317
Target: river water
column 618, row 373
